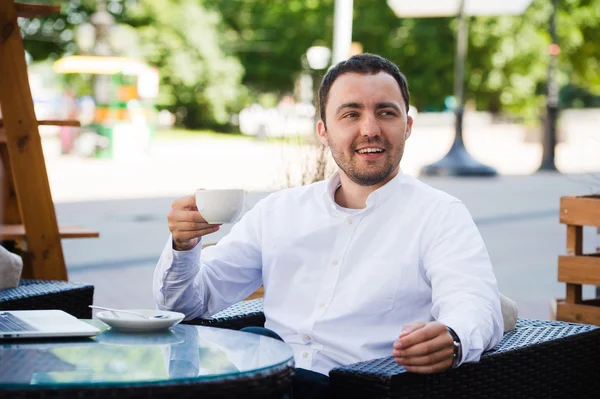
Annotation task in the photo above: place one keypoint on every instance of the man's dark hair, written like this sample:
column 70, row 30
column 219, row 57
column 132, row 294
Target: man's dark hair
column 365, row 64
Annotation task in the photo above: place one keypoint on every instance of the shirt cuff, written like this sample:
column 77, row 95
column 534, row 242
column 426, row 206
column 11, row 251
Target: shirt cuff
column 181, row 261
column 471, row 341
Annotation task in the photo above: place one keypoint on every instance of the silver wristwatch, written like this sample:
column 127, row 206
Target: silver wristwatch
column 457, row 354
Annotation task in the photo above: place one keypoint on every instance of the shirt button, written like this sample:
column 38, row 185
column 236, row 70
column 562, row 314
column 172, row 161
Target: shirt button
column 349, row 221
column 322, row 305
column 335, row 263
column 305, row 355
column 307, row 337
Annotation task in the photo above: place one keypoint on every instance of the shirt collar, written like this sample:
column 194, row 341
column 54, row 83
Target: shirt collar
column 376, row 198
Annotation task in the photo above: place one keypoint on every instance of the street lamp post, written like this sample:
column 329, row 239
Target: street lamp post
column 342, row 29
column 458, row 161
column 549, row 142
column 318, row 59
column 102, row 21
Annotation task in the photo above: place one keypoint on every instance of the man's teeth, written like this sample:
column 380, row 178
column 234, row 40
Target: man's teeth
column 368, row 150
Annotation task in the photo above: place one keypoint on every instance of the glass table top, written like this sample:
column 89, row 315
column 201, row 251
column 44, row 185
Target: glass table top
column 183, row 352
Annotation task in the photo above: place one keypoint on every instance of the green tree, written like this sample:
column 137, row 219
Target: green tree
column 195, row 44
column 507, row 58
column 199, row 81
column 270, row 37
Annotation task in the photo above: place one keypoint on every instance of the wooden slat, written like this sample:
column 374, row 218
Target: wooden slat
column 35, row 10
column 53, row 122
column 72, row 123
column 10, row 213
column 26, row 157
column 581, row 211
column 579, row 313
column 573, row 293
column 259, row 293
column 574, row 240
column 17, row 232
column 579, row 269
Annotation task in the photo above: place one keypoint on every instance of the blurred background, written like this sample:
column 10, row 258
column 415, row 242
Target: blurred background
column 175, row 95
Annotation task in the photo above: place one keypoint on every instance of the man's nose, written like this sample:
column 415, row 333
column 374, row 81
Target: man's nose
column 369, row 127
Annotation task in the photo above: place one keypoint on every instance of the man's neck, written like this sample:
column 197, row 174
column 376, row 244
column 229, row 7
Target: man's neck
column 354, row 196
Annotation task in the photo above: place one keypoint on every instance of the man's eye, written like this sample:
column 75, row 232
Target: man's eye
column 388, row 113
column 350, row 115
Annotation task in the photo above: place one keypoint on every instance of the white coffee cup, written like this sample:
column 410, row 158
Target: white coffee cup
column 220, row 206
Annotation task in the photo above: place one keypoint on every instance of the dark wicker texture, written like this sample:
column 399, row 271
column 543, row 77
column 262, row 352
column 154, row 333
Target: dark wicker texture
column 539, row 359
column 242, row 314
column 73, row 298
column 269, row 384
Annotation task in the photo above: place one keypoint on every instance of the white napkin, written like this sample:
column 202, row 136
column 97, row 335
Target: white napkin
column 11, row 266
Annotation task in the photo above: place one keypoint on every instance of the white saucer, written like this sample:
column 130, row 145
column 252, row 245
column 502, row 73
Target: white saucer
column 130, row 322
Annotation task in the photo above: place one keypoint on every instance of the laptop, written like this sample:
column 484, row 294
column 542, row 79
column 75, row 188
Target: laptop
column 42, row 324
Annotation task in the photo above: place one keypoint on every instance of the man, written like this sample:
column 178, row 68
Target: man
column 368, row 264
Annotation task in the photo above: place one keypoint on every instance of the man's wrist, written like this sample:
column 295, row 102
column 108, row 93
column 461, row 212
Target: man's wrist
column 457, row 346
column 184, row 249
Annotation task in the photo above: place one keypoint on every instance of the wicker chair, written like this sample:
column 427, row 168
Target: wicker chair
column 73, row 298
column 539, row 359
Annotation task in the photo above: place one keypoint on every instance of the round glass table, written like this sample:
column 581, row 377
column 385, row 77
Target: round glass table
column 184, row 361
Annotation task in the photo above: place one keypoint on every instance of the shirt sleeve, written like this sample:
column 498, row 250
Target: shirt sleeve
column 201, row 282
column 465, row 295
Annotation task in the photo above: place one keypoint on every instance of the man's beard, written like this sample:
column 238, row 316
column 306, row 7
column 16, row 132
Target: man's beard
column 369, row 175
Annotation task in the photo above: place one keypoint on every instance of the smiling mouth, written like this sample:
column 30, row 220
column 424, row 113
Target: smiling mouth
column 370, row 150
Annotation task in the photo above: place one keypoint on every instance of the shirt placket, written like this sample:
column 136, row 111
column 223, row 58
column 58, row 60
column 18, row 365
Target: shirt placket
column 325, row 294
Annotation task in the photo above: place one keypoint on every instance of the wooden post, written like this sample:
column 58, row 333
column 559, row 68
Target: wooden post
column 574, row 248
column 576, row 268
column 26, row 158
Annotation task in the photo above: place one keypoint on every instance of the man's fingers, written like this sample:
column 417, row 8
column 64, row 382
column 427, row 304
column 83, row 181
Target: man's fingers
column 425, row 347
column 191, row 226
column 184, row 236
column 409, row 328
column 423, row 334
column 429, row 359
column 179, row 215
column 187, row 202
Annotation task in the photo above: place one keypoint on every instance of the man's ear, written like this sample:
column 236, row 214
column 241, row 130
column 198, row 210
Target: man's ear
column 322, row 132
column 408, row 131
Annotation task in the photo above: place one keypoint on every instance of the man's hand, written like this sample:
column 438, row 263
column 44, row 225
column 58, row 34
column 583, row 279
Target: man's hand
column 187, row 224
column 424, row 348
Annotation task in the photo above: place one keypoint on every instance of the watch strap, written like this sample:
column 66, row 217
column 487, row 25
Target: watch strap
column 457, row 354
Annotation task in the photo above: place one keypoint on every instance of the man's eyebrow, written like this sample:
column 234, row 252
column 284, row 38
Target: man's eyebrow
column 387, row 104
column 349, row 105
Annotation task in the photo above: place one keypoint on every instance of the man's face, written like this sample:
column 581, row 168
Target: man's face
column 367, row 126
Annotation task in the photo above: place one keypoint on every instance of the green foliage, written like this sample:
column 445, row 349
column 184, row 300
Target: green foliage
column 206, row 49
column 270, row 37
column 199, row 81
column 507, row 57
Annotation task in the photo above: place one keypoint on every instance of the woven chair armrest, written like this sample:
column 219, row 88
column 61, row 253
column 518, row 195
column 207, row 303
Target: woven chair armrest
column 71, row 297
column 537, row 360
column 240, row 315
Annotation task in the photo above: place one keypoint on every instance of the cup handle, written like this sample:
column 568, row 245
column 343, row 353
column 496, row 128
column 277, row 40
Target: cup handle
column 199, row 201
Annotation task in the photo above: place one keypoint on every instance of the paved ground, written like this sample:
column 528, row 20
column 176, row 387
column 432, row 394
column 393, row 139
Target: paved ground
column 517, row 216
column 127, row 201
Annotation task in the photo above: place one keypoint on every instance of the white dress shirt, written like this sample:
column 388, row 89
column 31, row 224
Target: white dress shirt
column 340, row 285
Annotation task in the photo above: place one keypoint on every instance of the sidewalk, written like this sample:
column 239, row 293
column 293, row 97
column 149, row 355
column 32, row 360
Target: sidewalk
column 178, row 167
column 127, row 202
